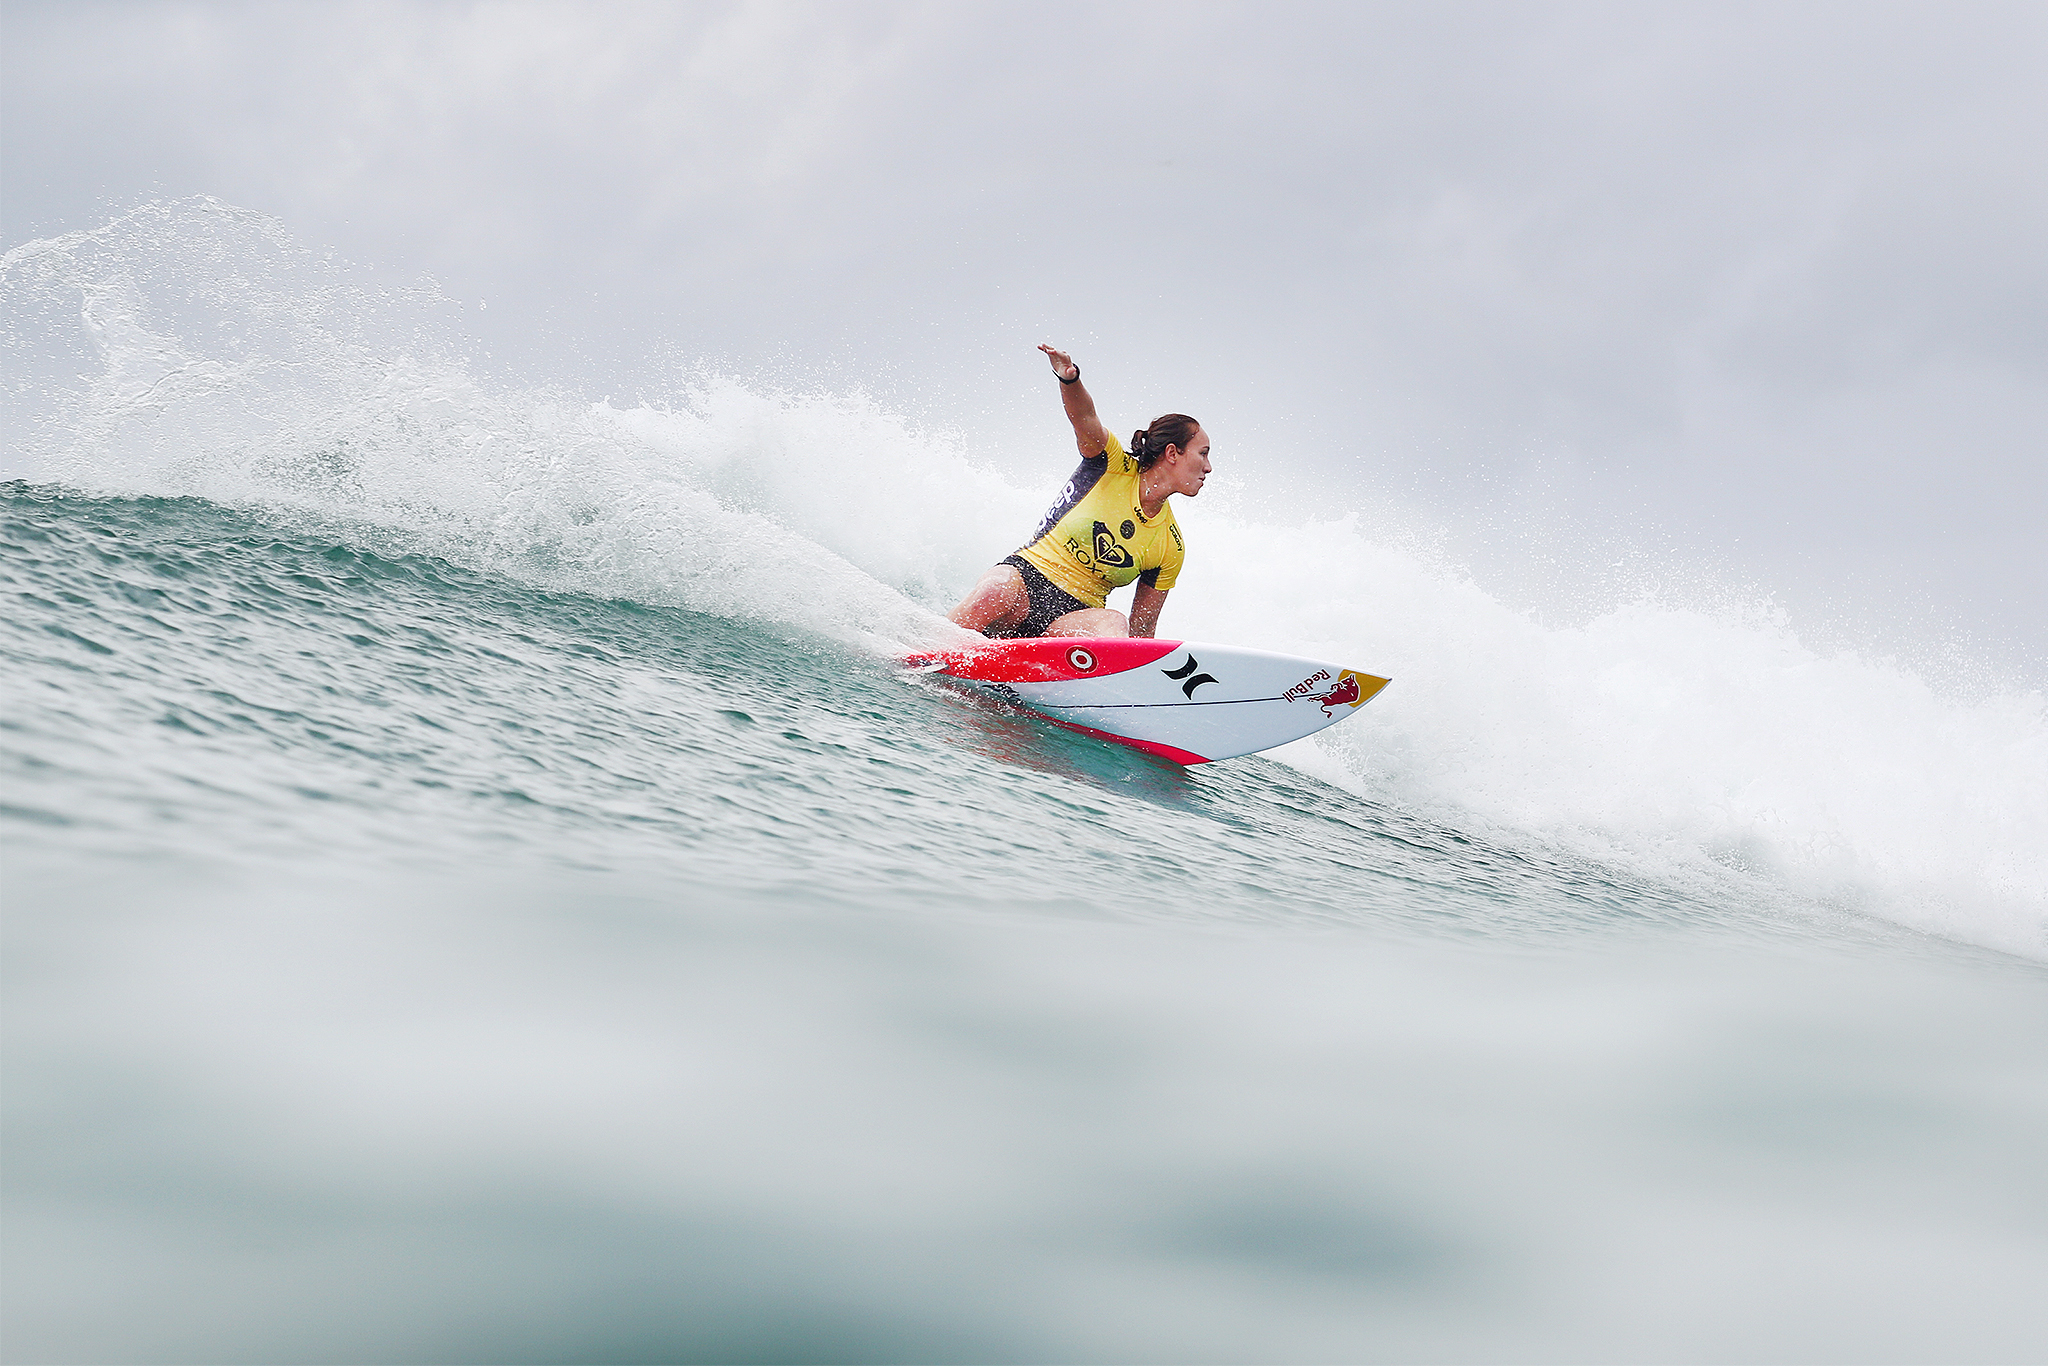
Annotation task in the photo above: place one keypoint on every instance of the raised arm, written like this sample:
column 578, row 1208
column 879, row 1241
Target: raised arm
column 1089, row 433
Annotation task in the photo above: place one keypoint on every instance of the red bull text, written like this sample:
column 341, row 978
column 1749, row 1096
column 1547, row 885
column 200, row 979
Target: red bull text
column 1307, row 685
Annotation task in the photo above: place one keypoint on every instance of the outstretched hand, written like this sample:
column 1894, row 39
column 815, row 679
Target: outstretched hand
column 1062, row 364
column 1089, row 433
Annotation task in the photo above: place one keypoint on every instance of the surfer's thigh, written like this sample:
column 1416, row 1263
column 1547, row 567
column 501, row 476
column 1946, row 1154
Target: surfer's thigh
column 998, row 600
column 1092, row 621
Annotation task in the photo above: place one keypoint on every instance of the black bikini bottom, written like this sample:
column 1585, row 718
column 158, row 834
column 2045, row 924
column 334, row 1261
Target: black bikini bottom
column 1049, row 601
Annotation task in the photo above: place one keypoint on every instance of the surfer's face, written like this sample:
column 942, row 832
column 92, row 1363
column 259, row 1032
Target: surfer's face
column 1188, row 466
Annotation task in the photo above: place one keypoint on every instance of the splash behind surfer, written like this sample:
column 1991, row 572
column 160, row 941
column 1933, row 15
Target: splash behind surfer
column 1109, row 525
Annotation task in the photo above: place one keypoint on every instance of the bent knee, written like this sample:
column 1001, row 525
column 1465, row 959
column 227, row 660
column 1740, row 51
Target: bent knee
column 998, row 599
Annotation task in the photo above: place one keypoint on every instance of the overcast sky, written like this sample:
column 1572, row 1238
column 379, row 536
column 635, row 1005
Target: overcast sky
column 1766, row 284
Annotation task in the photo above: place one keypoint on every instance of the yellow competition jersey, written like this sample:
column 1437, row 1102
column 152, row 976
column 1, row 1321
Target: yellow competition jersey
column 1097, row 538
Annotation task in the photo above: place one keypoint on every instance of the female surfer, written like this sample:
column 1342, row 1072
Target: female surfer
column 1109, row 525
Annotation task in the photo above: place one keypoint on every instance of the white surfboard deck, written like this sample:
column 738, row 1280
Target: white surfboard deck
column 1186, row 701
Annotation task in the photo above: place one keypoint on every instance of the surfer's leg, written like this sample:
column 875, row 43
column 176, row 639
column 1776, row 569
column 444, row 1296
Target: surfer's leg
column 1046, row 606
column 1092, row 621
column 998, row 601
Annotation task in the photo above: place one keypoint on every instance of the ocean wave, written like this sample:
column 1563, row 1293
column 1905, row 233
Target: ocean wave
column 209, row 356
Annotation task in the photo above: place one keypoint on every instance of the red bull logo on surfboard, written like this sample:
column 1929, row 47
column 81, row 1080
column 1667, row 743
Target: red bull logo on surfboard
column 1346, row 692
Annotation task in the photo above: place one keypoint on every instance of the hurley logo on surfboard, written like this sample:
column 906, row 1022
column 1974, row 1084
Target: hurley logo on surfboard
column 1193, row 683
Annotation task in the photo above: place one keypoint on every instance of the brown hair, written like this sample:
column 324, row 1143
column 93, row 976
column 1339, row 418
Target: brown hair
column 1149, row 443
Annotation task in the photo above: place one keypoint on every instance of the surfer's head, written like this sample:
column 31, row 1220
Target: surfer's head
column 1174, row 431
column 1177, row 443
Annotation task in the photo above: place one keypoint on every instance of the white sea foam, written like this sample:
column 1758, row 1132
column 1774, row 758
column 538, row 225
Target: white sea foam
column 227, row 364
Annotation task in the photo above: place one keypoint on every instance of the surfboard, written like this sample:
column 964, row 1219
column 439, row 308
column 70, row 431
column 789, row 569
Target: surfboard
column 1185, row 701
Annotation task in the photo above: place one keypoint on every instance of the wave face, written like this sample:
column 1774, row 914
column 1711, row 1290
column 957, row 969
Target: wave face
column 450, row 814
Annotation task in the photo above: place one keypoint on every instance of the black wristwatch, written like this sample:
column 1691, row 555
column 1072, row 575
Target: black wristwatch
column 1064, row 380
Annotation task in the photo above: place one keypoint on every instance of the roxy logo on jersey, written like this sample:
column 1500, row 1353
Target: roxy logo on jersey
column 1109, row 551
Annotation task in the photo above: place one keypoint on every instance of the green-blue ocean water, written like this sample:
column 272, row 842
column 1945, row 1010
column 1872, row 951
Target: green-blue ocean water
column 478, row 887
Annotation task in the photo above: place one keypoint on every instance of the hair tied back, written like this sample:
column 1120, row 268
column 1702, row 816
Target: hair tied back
column 1148, row 444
